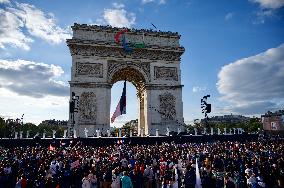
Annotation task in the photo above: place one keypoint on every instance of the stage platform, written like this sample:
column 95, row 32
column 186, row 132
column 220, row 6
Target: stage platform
column 103, row 141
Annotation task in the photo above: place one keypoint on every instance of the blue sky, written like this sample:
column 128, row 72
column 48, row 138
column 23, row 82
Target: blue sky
column 234, row 50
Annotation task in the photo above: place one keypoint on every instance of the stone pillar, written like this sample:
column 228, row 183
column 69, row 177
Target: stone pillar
column 98, row 99
column 142, row 132
column 225, row 131
column 195, row 131
column 204, row 131
column 74, row 133
column 86, row 132
column 65, row 134
column 108, row 133
column 36, row 134
column 43, row 135
column 28, row 134
column 141, row 111
column 212, row 131
column 53, row 133
column 119, row 132
column 98, row 133
column 157, row 132
column 168, row 131
column 16, row 135
column 21, row 134
column 218, row 131
column 130, row 133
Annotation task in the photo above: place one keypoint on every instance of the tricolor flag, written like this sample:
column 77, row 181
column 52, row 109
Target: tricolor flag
column 121, row 106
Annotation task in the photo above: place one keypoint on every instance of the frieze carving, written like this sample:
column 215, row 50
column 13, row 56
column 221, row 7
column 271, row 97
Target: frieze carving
column 87, row 108
column 163, row 87
column 119, row 52
column 141, row 66
column 167, row 106
column 89, row 69
column 166, row 73
column 90, row 85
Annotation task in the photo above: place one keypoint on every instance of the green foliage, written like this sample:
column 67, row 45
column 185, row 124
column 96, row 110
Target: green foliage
column 41, row 128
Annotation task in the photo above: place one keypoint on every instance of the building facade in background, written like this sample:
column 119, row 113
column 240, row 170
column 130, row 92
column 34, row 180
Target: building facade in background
column 273, row 121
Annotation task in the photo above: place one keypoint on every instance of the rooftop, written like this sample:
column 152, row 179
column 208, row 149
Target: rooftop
column 109, row 28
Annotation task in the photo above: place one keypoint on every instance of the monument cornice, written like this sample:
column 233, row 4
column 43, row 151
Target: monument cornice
column 110, row 29
column 119, row 52
column 107, row 44
column 162, row 87
column 90, row 84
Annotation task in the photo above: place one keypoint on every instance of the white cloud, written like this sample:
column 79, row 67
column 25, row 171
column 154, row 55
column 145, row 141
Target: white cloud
column 262, row 15
column 196, row 89
column 10, row 31
column 270, row 4
column 40, row 24
column 21, row 21
column 27, row 78
column 117, row 17
column 4, row 1
column 118, row 5
column 255, row 83
column 147, row 1
column 229, row 16
column 35, row 109
column 152, row 1
column 267, row 9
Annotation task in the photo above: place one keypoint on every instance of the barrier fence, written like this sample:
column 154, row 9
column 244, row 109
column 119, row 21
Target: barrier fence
column 103, row 141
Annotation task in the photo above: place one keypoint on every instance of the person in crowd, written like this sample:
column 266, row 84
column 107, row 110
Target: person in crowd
column 86, row 182
column 241, row 164
column 126, row 181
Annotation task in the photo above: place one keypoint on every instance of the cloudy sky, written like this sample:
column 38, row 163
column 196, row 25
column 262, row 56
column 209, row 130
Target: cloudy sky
column 234, row 52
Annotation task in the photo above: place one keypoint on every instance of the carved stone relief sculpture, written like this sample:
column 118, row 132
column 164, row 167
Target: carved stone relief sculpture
column 87, row 108
column 166, row 73
column 89, row 69
column 167, row 106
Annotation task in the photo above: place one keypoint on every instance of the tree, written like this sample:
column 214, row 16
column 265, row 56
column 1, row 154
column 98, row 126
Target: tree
column 254, row 124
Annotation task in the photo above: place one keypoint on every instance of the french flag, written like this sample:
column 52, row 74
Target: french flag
column 121, row 106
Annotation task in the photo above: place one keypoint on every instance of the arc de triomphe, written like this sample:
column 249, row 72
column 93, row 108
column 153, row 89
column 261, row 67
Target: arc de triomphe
column 100, row 58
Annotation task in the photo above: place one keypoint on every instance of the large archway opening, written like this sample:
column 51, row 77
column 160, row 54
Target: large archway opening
column 135, row 95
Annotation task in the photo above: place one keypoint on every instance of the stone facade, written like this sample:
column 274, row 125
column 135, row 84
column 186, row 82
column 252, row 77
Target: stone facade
column 273, row 121
column 98, row 61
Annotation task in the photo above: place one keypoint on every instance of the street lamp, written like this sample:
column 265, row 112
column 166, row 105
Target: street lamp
column 22, row 119
column 206, row 108
column 73, row 108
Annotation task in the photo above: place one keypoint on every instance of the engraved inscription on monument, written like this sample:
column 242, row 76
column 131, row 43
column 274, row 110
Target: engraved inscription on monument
column 166, row 73
column 89, row 69
column 167, row 106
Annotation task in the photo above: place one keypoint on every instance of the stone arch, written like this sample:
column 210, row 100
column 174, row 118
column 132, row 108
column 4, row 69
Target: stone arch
column 137, row 78
column 142, row 68
column 98, row 61
column 130, row 74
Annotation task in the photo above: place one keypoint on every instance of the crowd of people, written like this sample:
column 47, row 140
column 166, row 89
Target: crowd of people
column 168, row 165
